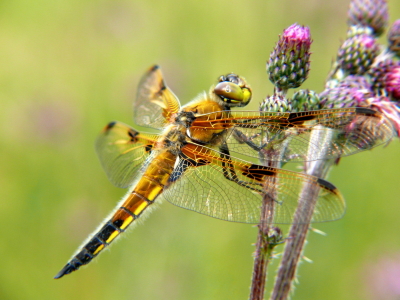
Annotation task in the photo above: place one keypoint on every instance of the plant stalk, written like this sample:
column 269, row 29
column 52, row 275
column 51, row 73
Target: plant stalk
column 302, row 219
column 268, row 236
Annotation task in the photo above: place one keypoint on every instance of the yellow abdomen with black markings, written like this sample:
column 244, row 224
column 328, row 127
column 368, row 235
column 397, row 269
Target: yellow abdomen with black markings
column 138, row 199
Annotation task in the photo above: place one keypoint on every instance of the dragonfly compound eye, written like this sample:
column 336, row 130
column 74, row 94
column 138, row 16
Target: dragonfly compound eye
column 222, row 78
column 235, row 79
column 233, row 94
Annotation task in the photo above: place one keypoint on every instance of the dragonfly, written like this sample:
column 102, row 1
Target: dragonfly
column 193, row 163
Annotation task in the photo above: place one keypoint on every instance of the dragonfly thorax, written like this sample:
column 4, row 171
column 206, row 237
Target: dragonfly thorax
column 185, row 118
column 174, row 139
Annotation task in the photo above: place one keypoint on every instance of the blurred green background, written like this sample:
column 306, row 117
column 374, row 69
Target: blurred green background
column 70, row 67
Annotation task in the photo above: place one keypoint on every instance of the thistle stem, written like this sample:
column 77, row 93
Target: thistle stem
column 262, row 254
column 301, row 223
column 267, row 238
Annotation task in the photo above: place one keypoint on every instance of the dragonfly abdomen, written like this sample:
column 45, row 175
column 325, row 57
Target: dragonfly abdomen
column 138, row 199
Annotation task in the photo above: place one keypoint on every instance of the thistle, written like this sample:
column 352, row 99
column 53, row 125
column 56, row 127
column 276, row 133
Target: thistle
column 357, row 54
column 378, row 72
column 288, row 67
column 364, row 74
column 392, row 83
column 276, row 103
column 394, row 38
column 389, row 108
column 372, row 14
column 352, row 91
column 289, row 62
column 304, row 100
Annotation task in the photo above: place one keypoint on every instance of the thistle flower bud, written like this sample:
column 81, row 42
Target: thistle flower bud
column 357, row 53
column 377, row 74
column 289, row 63
column 394, row 38
column 305, row 100
column 369, row 13
column 353, row 91
column 276, row 103
column 393, row 83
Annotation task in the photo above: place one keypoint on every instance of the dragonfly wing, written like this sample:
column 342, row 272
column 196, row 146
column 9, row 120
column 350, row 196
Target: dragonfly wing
column 122, row 151
column 223, row 187
column 155, row 103
column 288, row 136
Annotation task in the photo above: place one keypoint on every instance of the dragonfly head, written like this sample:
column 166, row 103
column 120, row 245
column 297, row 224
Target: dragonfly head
column 233, row 90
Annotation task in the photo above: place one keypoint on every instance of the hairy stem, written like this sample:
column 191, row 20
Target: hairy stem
column 262, row 254
column 301, row 222
column 267, row 238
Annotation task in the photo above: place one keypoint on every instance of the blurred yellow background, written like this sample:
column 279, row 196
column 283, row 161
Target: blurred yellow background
column 70, row 67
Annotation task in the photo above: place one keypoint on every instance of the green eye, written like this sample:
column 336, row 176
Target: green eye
column 232, row 93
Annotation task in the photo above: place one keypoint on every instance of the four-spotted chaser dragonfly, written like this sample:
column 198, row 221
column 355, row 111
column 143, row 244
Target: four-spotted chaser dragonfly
column 191, row 163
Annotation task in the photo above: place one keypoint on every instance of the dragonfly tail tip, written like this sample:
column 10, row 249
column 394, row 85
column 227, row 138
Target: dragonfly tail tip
column 64, row 271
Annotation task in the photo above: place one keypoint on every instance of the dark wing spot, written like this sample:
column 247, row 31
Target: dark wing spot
column 326, row 184
column 298, row 118
column 109, row 126
column 258, row 172
column 192, row 162
column 366, row 111
column 184, row 163
column 133, row 135
column 148, row 148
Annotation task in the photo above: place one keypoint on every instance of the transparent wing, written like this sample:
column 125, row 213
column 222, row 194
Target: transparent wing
column 122, row 151
column 155, row 103
column 217, row 185
column 287, row 136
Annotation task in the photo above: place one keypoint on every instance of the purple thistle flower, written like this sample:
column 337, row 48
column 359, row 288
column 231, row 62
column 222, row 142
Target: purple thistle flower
column 378, row 72
column 393, row 83
column 357, row 53
column 340, row 97
column 296, row 38
column 389, row 108
column 289, row 63
column 353, row 91
column 394, row 38
column 369, row 13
